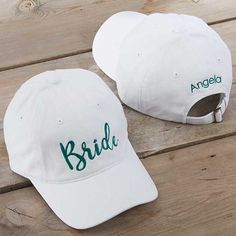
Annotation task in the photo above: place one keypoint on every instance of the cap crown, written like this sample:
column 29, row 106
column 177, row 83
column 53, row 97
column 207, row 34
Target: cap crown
column 64, row 125
column 168, row 62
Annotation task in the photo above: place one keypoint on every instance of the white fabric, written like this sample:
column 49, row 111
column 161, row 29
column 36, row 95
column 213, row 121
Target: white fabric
column 105, row 54
column 86, row 203
column 161, row 58
column 66, row 131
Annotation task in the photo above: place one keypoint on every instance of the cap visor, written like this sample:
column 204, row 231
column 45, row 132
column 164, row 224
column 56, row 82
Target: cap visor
column 89, row 202
column 108, row 40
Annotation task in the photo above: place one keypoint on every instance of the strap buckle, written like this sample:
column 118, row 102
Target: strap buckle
column 218, row 115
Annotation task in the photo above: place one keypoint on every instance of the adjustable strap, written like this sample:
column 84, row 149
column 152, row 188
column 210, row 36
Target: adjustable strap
column 215, row 116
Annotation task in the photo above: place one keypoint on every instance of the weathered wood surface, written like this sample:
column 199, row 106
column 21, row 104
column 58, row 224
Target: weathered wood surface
column 195, row 177
column 148, row 135
column 39, row 30
column 197, row 188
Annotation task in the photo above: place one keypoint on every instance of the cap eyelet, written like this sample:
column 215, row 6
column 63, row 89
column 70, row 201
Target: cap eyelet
column 176, row 74
column 60, row 122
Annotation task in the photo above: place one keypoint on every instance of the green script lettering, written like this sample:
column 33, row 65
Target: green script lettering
column 106, row 143
column 206, row 83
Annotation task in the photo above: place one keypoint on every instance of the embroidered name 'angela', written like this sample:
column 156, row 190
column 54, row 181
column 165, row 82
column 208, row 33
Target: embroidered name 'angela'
column 106, row 143
column 206, row 83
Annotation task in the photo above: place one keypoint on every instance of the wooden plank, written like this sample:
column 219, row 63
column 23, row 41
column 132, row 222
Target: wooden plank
column 227, row 31
column 197, row 187
column 39, row 30
column 148, row 135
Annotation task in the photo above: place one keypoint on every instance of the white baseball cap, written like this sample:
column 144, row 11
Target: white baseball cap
column 66, row 131
column 169, row 66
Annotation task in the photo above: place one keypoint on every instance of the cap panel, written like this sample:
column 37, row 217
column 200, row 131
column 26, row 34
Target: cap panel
column 17, row 130
column 187, row 74
column 174, row 58
column 107, row 41
column 54, row 147
column 140, row 67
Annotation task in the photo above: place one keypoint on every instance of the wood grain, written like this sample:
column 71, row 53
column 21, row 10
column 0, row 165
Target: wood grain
column 39, row 30
column 197, row 183
column 148, row 135
column 197, row 188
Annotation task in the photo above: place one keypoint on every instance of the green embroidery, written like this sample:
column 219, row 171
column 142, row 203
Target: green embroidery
column 206, row 83
column 106, row 143
column 114, row 141
column 68, row 151
column 96, row 147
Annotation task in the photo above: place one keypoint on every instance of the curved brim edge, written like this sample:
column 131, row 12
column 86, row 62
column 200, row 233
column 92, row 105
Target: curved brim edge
column 92, row 201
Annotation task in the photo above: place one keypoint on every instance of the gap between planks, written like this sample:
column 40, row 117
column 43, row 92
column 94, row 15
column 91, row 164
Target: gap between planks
column 147, row 154
column 81, row 51
column 46, row 59
column 221, row 21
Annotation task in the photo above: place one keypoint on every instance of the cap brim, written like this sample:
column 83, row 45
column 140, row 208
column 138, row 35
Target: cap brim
column 108, row 40
column 89, row 202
